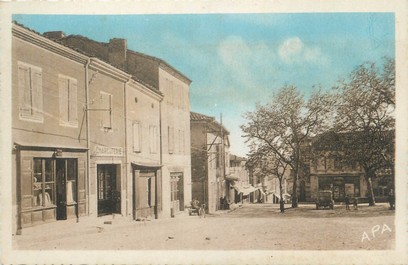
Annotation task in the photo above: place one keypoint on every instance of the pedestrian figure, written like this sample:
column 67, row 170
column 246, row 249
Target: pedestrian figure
column 355, row 203
column 391, row 198
column 347, row 200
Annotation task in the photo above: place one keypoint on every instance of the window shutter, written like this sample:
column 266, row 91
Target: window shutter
column 106, row 103
column 73, row 102
column 171, row 139
column 37, row 92
column 63, row 100
column 136, row 137
column 24, row 91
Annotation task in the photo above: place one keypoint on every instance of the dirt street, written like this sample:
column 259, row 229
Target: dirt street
column 251, row 227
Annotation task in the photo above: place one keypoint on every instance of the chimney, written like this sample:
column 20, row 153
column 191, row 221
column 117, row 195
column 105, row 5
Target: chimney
column 117, row 53
column 54, row 35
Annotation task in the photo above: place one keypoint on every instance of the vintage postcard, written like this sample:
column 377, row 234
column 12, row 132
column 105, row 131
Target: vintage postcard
column 204, row 132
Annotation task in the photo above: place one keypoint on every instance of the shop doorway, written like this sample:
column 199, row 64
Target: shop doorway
column 108, row 196
column 66, row 179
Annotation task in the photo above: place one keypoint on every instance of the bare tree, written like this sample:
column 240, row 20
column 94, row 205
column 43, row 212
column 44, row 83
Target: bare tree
column 283, row 125
column 365, row 111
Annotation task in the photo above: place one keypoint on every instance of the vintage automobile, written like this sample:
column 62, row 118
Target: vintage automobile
column 324, row 199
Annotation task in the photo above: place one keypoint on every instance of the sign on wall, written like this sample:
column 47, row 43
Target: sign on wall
column 107, row 151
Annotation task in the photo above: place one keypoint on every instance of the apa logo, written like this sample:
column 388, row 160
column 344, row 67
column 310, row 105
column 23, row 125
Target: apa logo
column 374, row 230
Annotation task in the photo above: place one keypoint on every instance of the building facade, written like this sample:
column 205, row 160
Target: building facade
column 88, row 136
column 50, row 146
column 173, row 180
column 209, row 161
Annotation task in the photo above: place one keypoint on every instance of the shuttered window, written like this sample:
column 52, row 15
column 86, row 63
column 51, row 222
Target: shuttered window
column 30, row 92
column 106, row 110
column 136, row 137
column 153, row 135
column 171, row 139
column 68, row 100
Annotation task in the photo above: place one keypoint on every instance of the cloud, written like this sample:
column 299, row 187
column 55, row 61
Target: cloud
column 290, row 50
column 294, row 51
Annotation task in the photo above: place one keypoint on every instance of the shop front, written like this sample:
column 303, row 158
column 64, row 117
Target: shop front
column 341, row 186
column 50, row 184
column 145, row 190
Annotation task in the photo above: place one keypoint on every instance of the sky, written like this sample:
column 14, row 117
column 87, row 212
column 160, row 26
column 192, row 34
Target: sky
column 238, row 60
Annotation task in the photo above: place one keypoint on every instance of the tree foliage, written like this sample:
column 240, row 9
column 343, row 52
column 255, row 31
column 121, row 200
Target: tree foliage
column 283, row 125
column 365, row 112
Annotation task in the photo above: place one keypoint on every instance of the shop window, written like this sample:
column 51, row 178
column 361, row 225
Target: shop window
column 68, row 101
column 106, row 110
column 137, row 137
column 71, row 180
column 30, row 92
column 43, row 182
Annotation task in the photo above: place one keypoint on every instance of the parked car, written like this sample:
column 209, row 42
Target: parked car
column 324, row 199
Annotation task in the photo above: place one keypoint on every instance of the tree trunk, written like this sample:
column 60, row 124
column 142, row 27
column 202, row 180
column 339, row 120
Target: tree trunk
column 294, row 192
column 281, row 202
column 371, row 199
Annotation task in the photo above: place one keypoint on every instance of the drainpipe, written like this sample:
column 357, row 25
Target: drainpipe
column 88, row 154
column 126, row 144
column 156, row 189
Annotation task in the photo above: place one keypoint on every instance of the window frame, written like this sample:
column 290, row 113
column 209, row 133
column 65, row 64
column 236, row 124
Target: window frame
column 34, row 111
column 71, row 102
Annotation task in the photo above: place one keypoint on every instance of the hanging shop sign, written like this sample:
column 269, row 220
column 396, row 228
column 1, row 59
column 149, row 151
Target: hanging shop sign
column 107, row 151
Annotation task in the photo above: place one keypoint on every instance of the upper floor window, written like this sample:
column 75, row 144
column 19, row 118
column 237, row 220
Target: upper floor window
column 153, row 134
column 30, row 92
column 137, row 140
column 171, row 139
column 106, row 110
column 68, row 101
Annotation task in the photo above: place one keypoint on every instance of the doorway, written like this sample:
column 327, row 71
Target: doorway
column 66, row 180
column 108, row 196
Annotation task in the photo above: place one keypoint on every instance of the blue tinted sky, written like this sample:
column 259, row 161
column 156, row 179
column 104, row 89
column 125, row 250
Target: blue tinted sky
column 237, row 60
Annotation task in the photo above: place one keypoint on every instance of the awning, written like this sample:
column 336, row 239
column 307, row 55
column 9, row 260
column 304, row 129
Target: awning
column 146, row 165
column 27, row 145
column 245, row 190
column 231, row 177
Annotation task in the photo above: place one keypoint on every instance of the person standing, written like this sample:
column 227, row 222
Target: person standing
column 347, row 201
column 391, row 198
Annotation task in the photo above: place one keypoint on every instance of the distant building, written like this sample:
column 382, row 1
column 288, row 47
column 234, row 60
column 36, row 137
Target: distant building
column 209, row 161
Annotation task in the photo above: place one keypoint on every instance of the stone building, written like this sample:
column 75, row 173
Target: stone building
column 209, row 161
column 50, row 180
column 88, row 136
column 174, row 177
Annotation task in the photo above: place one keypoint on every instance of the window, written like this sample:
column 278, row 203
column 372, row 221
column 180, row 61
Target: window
column 136, row 137
column 180, row 141
column 106, row 110
column 174, row 187
column 153, row 139
column 30, row 92
column 171, row 139
column 337, row 163
column 43, row 182
column 68, row 101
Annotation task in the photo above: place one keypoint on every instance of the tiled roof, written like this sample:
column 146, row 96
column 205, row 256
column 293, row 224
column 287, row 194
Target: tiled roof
column 194, row 116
